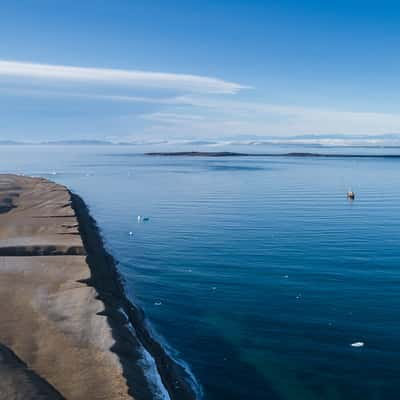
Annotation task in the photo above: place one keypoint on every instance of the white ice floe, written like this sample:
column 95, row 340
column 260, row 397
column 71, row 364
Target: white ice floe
column 157, row 303
column 357, row 344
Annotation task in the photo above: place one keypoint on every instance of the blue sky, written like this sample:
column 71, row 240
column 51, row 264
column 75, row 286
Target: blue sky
column 150, row 70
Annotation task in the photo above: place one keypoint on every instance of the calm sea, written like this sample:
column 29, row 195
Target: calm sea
column 256, row 272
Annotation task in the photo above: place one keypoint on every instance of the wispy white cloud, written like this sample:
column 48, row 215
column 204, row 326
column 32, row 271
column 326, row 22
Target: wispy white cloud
column 192, row 106
column 172, row 118
column 258, row 118
column 56, row 94
column 130, row 78
column 211, row 115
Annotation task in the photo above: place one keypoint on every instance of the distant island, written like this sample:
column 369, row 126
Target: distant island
column 294, row 154
column 198, row 154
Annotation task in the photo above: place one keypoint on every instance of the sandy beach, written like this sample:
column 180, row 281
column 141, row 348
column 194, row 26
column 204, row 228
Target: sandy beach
column 67, row 328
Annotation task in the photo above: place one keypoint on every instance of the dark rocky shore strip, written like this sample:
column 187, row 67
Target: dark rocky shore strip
column 67, row 329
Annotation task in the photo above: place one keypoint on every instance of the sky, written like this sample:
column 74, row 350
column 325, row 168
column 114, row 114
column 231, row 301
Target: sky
column 182, row 70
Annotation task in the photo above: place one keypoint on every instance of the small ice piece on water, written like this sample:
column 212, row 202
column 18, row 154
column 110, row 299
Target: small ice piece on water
column 139, row 218
column 357, row 344
column 157, row 303
column 130, row 233
column 298, row 297
column 286, row 276
column 214, row 288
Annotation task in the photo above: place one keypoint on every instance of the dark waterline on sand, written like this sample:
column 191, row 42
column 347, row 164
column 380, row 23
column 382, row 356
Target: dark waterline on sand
column 257, row 272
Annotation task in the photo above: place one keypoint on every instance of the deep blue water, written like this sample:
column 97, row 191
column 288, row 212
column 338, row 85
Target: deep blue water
column 265, row 272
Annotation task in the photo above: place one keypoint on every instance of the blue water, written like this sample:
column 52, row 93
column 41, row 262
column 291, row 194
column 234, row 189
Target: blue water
column 265, row 272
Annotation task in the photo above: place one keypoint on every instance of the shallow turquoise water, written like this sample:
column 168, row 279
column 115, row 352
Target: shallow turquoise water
column 265, row 272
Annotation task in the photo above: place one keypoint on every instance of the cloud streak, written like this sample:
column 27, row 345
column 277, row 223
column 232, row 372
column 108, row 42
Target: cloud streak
column 183, row 105
column 237, row 117
column 106, row 76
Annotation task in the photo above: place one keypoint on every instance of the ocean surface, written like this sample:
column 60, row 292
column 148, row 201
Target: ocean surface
column 257, row 273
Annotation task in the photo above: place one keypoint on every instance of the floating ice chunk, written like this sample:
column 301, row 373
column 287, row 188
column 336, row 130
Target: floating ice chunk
column 130, row 233
column 214, row 288
column 286, row 276
column 357, row 344
column 157, row 303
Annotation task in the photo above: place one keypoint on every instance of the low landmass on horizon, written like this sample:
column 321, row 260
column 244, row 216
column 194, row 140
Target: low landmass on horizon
column 293, row 154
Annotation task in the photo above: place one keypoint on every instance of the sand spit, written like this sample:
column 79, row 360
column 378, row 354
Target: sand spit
column 62, row 331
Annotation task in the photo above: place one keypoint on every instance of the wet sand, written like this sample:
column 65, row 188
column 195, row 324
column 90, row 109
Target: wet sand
column 67, row 329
